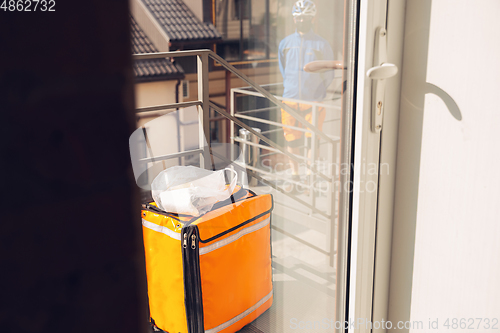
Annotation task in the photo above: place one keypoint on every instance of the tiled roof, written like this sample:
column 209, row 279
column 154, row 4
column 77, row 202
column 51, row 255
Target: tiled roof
column 155, row 69
column 180, row 23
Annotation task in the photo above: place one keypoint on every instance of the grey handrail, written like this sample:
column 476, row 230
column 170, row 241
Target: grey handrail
column 269, row 96
column 204, row 103
column 174, row 54
column 232, row 69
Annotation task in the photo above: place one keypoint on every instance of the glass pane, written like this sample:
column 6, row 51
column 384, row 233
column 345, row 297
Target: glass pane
column 287, row 140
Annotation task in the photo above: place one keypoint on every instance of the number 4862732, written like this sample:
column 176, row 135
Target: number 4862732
column 28, row 5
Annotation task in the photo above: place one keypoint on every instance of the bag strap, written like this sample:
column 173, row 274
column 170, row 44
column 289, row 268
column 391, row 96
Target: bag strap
column 232, row 199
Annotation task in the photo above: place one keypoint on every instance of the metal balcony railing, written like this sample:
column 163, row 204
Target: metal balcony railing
column 207, row 156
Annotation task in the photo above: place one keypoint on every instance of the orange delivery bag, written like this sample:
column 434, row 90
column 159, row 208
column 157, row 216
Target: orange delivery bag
column 210, row 273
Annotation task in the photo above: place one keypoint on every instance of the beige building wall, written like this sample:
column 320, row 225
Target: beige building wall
column 196, row 7
column 155, row 93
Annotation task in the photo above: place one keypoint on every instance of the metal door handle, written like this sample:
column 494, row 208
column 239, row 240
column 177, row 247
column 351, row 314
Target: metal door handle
column 379, row 73
column 382, row 72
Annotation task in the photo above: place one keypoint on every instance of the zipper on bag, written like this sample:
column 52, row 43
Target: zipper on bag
column 192, row 279
column 193, row 242
column 191, row 265
column 204, row 241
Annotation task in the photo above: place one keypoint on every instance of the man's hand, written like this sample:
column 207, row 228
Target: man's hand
column 319, row 66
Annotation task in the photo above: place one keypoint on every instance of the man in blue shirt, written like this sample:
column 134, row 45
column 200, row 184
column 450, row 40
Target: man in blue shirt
column 295, row 51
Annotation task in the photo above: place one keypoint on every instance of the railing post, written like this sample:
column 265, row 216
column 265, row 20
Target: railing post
column 255, row 155
column 245, row 149
column 228, row 102
column 203, row 111
column 231, row 127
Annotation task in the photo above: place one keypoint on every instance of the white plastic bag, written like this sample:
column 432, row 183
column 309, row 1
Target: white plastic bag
column 190, row 190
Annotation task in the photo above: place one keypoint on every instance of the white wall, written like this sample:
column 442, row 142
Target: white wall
column 446, row 244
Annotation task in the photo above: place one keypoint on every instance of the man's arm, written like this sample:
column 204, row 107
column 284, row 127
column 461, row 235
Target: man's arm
column 320, row 66
column 328, row 76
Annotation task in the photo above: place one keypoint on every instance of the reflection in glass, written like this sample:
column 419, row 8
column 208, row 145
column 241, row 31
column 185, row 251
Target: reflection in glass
column 271, row 42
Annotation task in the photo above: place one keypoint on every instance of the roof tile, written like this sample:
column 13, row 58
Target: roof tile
column 154, row 69
column 176, row 19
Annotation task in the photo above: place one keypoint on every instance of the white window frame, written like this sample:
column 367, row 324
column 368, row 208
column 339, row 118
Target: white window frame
column 372, row 211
